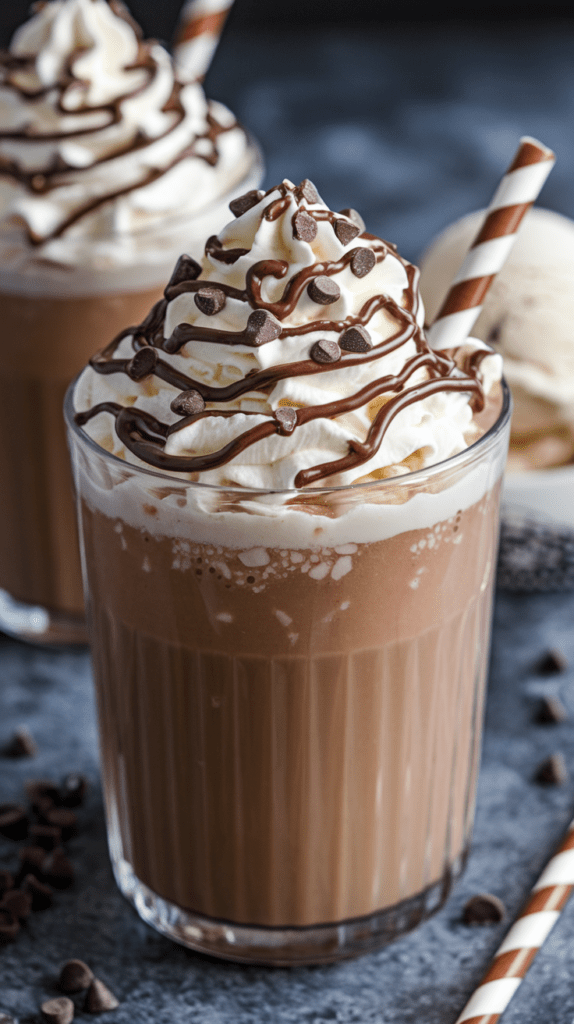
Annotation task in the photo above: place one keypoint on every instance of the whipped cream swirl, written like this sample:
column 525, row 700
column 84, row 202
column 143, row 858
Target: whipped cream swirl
column 294, row 356
column 97, row 135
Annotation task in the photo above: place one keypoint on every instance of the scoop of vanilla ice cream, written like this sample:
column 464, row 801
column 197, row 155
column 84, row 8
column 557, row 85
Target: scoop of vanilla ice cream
column 528, row 317
column 298, row 347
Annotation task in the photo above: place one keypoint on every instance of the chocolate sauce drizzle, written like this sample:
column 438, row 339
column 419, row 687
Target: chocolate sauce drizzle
column 43, row 180
column 145, row 436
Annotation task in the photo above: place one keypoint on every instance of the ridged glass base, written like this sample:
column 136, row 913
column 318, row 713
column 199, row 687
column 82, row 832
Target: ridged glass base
column 38, row 625
column 283, row 947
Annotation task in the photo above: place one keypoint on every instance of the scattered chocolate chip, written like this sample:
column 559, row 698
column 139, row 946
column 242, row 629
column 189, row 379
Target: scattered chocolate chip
column 245, row 202
column 40, row 893
column 356, row 339
column 40, row 793
column 186, row 269
column 31, row 860
column 552, row 771
column 551, row 711
column 325, row 351
column 484, row 908
column 345, row 231
column 143, row 363
column 304, row 226
column 18, row 903
column 552, row 661
column 13, row 821
column 73, row 790
column 323, row 290
column 355, row 217
column 58, row 1011
column 188, row 403
column 6, row 882
column 306, row 190
column 210, row 299
column 62, row 818
column 21, row 744
column 58, row 870
column 9, row 926
column 287, row 417
column 362, row 261
column 261, row 327
column 99, row 999
column 75, row 976
column 46, row 836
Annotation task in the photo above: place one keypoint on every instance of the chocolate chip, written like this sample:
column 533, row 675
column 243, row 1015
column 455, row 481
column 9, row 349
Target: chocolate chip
column 245, row 202
column 40, row 793
column 552, row 661
column 186, row 269
column 210, row 299
column 21, row 744
column 18, row 903
column 551, row 711
column 287, row 417
column 62, row 818
column 58, row 870
column 323, row 290
column 552, row 771
column 306, row 190
column 304, row 226
column 188, row 403
column 75, row 976
column 58, row 1011
column 143, row 363
column 99, row 999
column 73, row 789
column 356, row 339
column 9, row 926
column 325, row 351
column 261, row 328
column 355, row 217
column 32, row 859
column 484, row 908
column 13, row 821
column 6, row 882
column 345, row 231
column 362, row 261
column 40, row 893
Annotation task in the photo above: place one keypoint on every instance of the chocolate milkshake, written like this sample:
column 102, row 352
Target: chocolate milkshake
column 288, row 509
column 109, row 167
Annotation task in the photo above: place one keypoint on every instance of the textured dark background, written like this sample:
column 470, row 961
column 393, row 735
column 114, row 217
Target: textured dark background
column 413, row 124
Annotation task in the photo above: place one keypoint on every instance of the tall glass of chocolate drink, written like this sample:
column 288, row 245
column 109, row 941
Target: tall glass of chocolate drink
column 109, row 168
column 288, row 509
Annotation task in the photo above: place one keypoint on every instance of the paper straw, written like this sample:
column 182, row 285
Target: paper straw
column 527, row 935
column 200, row 26
column 516, row 193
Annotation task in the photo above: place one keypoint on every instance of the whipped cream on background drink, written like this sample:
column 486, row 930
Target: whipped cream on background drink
column 288, row 509
column 109, row 166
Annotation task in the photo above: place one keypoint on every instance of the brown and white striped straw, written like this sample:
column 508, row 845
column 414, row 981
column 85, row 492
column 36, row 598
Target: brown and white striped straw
column 516, row 193
column 527, row 935
column 200, row 26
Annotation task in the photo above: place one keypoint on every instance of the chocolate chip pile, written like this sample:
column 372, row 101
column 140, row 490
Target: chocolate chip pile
column 41, row 827
column 77, row 978
column 534, row 556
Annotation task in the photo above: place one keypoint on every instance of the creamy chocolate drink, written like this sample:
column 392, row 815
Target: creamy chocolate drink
column 109, row 166
column 288, row 508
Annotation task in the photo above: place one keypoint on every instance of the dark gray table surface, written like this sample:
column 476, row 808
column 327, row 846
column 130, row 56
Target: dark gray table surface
column 413, row 127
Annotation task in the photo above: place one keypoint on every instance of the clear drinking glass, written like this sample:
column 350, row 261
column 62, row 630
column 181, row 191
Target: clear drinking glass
column 290, row 690
column 52, row 320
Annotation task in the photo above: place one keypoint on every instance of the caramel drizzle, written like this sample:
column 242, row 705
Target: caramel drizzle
column 145, row 436
column 44, row 180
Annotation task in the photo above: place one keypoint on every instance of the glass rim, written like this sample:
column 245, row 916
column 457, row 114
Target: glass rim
column 476, row 449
